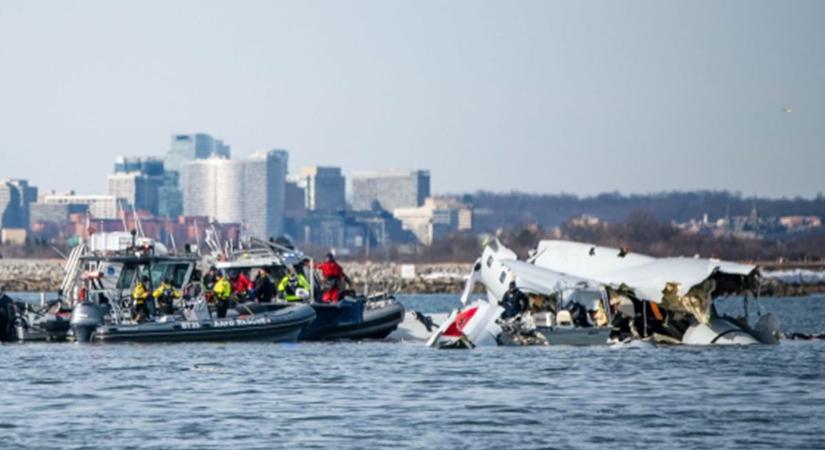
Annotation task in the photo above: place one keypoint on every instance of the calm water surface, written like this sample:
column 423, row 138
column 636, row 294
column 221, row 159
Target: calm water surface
column 403, row 395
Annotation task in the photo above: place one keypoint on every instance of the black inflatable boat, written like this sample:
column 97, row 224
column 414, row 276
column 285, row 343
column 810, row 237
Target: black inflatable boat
column 282, row 325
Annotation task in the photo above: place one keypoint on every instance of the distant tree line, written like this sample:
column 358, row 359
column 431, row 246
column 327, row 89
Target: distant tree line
column 496, row 211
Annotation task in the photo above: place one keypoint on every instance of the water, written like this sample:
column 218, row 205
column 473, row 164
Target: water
column 379, row 395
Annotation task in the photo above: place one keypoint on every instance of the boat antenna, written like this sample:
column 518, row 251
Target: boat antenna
column 197, row 235
column 122, row 214
column 138, row 225
column 172, row 240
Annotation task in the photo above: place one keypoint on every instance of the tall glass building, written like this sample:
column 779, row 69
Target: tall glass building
column 250, row 192
column 186, row 147
column 325, row 188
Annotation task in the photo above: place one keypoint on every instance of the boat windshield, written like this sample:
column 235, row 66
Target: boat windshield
column 127, row 276
column 176, row 271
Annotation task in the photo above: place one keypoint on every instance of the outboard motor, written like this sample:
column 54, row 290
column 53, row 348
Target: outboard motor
column 86, row 317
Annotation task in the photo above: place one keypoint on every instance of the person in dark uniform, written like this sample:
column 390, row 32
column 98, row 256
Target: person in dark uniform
column 264, row 287
column 514, row 302
column 210, row 279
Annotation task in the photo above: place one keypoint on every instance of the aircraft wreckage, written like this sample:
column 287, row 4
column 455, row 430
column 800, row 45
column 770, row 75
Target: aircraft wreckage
column 582, row 294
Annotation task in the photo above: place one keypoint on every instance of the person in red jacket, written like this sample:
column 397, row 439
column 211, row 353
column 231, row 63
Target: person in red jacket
column 334, row 279
column 240, row 285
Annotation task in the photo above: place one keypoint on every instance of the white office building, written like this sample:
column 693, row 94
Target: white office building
column 250, row 192
column 100, row 206
column 390, row 190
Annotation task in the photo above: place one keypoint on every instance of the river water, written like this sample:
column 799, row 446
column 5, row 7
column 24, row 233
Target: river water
column 403, row 395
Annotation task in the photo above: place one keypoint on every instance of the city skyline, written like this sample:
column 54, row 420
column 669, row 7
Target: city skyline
column 542, row 97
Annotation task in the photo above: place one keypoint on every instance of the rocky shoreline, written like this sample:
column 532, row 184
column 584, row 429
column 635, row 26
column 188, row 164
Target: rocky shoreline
column 30, row 275
column 38, row 275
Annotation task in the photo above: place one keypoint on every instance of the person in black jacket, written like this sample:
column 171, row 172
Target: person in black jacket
column 264, row 287
column 514, row 302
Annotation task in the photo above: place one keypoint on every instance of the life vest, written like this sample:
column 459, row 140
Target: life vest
column 139, row 293
column 290, row 285
column 657, row 313
column 223, row 290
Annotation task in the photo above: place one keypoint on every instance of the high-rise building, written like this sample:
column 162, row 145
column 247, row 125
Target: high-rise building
column 325, row 188
column 147, row 166
column 250, row 192
column 184, row 148
column 11, row 215
column 390, row 190
column 53, row 213
column 136, row 182
column 99, row 206
column 187, row 147
column 265, row 192
column 295, row 198
column 170, row 197
column 15, row 198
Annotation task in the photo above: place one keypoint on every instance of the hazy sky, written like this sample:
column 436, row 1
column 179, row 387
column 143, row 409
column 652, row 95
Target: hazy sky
column 538, row 96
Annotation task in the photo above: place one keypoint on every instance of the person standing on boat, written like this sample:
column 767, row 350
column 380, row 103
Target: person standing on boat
column 514, row 302
column 334, row 279
column 264, row 287
column 289, row 285
column 210, row 279
column 223, row 294
column 139, row 296
column 165, row 295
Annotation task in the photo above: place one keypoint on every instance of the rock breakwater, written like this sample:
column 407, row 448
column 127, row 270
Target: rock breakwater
column 35, row 275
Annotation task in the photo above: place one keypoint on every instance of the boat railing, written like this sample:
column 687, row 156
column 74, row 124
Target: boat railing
column 72, row 271
column 118, row 311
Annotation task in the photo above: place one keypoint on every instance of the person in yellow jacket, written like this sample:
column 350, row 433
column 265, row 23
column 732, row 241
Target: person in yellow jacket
column 289, row 285
column 139, row 295
column 223, row 293
column 165, row 295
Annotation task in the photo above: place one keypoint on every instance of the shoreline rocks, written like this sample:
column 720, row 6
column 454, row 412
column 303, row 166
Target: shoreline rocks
column 30, row 275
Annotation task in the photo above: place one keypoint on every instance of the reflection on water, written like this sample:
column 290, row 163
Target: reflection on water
column 378, row 395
